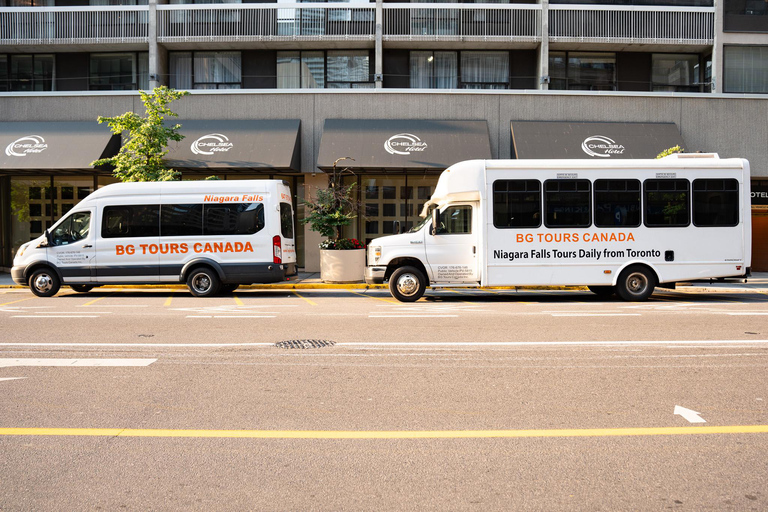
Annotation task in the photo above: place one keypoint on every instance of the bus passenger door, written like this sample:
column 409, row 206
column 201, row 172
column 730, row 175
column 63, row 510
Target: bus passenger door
column 452, row 251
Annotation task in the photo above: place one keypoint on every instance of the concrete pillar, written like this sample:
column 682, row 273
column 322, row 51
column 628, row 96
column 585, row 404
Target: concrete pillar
column 312, row 239
column 717, row 49
column 544, row 47
column 379, row 58
column 158, row 55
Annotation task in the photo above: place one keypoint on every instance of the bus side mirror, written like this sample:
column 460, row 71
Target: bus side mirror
column 435, row 221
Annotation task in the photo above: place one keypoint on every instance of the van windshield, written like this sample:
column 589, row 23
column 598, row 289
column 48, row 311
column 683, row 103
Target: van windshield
column 420, row 225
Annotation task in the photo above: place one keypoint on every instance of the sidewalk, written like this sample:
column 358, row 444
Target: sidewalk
column 758, row 283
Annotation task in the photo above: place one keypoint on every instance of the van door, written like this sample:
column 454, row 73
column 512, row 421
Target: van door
column 452, row 252
column 72, row 246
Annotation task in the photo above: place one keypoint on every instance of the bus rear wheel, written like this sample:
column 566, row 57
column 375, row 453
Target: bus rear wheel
column 636, row 283
column 407, row 284
column 203, row 282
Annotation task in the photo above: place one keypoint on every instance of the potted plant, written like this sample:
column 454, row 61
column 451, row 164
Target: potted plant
column 342, row 260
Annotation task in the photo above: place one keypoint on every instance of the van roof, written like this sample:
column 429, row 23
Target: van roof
column 187, row 187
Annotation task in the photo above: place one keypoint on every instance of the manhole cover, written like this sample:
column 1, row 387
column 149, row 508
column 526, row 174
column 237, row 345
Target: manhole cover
column 305, row 344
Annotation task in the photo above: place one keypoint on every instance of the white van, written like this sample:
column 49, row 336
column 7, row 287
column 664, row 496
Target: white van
column 616, row 226
column 211, row 235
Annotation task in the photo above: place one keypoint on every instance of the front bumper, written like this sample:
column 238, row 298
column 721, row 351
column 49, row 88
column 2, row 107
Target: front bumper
column 375, row 275
column 17, row 274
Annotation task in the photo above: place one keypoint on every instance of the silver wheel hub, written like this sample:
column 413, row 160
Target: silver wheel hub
column 407, row 284
column 637, row 283
column 43, row 283
column 201, row 283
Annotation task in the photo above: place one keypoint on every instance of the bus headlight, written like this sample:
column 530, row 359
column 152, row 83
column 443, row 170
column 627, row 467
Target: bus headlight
column 376, row 254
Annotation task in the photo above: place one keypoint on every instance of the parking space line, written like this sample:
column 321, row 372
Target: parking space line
column 390, row 301
column 168, row 301
column 387, row 434
column 311, row 303
column 15, row 301
column 237, row 300
column 95, row 300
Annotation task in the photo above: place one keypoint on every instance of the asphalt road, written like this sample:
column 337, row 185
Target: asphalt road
column 545, row 400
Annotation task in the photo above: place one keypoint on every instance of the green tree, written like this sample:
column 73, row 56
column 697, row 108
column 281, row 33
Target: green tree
column 670, row 151
column 145, row 139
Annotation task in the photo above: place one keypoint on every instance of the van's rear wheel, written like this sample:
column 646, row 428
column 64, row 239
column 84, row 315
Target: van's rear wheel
column 203, row 282
column 81, row 288
column 407, row 284
column 44, row 283
column 636, row 283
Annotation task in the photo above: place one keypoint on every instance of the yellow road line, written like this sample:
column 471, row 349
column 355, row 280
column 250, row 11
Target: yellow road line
column 311, row 303
column 168, row 301
column 391, row 301
column 95, row 300
column 237, row 300
column 386, row 434
column 15, row 301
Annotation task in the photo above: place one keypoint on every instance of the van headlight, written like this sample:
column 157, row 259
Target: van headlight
column 21, row 250
column 375, row 254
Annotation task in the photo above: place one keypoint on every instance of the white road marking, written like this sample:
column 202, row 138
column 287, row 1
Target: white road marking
column 688, row 414
column 595, row 314
column 8, row 362
column 230, row 316
column 11, row 378
column 115, row 306
column 56, row 316
column 748, row 313
column 412, row 316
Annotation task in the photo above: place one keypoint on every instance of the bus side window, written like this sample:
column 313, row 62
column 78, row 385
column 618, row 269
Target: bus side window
column 517, row 203
column 567, row 203
column 617, row 203
column 667, row 203
column 715, row 202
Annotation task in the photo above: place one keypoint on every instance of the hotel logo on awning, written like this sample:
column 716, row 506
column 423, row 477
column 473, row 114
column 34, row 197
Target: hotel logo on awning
column 404, row 144
column 26, row 145
column 601, row 146
column 211, row 143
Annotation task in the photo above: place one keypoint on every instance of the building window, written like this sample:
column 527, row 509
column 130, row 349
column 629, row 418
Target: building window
column 675, row 72
column 485, row 70
column 746, row 69
column 300, row 70
column 26, row 72
column 348, row 69
column 119, row 71
column 745, row 16
column 342, row 69
column 434, row 70
column 582, row 71
column 205, row 70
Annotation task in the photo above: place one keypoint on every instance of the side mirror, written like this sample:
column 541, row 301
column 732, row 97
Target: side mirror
column 396, row 227
column 47, row 242
column 435, row 221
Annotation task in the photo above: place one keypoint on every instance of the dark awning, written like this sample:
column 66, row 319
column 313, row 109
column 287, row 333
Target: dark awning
column 401, row 144
column 244, row 145
column 70, row 145
column 554, row 139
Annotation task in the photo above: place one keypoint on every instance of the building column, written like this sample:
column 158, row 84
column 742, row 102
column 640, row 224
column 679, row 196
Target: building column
column 544, row 47
column 378, row 77
column 312, row 239
column 6, row 258
column 158, row 55
column 717, row 49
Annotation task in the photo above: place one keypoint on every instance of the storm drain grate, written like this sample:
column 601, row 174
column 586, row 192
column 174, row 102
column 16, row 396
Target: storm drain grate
column 305, row 344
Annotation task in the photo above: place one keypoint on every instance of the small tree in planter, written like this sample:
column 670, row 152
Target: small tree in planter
column 332, row 209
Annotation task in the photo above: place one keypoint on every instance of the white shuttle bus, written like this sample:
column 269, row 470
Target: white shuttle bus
column 211, row 235
column 616, row 226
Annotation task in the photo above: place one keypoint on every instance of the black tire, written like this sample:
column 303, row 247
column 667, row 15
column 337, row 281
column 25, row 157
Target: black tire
column 203, row 282
column 44, row 282
column 81, row 288
column 602, row 291
column 407, row 284
column 636, row 283
column 228, row 288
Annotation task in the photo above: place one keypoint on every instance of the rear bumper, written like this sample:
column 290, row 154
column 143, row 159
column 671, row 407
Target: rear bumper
column 375, row 275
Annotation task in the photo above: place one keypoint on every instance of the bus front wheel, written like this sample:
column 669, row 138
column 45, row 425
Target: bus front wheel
column 636, row 283
column 407, row 284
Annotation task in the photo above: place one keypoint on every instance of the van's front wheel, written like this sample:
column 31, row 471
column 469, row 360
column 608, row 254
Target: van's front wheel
column 203, row 282
column 44, row 283
column 407, row 284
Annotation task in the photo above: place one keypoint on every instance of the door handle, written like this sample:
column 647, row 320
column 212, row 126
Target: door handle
column 87, row 246
column 474, row 249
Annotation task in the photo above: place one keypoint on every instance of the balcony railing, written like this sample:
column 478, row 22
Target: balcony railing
column 462, row 22
column 631, row 24
column 73, row 25
column 264, row 22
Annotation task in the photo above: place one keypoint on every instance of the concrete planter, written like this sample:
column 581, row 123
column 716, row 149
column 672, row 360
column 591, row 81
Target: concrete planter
column 342, row 266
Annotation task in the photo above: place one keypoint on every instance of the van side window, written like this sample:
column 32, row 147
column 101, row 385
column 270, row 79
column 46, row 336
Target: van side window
column 617, row 203
column 286, row 220
column 517, row 203
column 181, row 219
column 131, row 221
column 456, row 220
column 233, row 219
column 567, row 203
column 667, row 203
column 73, row 228
column 715, row 202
